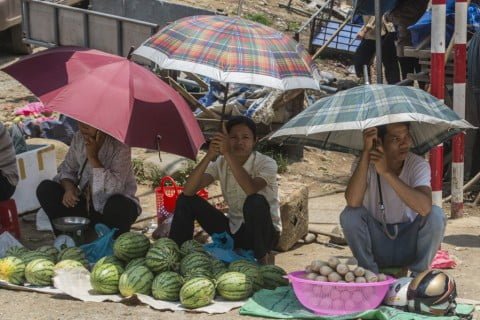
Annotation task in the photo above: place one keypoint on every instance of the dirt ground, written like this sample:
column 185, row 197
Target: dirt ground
column 326, row 174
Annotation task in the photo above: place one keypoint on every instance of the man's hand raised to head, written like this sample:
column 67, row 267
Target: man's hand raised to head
column 377, row 156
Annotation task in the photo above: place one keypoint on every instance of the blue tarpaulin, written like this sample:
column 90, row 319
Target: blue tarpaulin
column 346, row 40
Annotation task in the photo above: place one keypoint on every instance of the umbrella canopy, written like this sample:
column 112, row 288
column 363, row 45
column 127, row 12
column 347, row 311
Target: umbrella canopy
column 113, row 94
column 336, row 122
column 232, row 50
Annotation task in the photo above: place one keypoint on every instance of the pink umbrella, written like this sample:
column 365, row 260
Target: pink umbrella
column 112, row 94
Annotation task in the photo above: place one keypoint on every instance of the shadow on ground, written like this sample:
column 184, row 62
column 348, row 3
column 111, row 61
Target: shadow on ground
column 463, row 240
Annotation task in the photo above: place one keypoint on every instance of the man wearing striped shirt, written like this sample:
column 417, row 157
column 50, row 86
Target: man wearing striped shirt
column 8, row 165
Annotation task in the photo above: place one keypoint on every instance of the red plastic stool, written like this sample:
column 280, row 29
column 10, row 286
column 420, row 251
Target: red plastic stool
column 9, row 218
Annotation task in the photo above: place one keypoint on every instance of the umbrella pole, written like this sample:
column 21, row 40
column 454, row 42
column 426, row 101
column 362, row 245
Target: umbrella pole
column 225, row 97
column 378, row 40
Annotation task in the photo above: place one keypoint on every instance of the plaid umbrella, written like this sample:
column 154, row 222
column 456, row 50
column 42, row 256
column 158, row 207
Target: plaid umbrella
column 232, row 50
column 336, row 122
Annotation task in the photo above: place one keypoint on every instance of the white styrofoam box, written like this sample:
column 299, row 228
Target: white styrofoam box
column 34, row 166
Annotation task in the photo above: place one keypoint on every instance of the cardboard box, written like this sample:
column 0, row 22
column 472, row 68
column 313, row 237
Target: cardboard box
column 34, row 166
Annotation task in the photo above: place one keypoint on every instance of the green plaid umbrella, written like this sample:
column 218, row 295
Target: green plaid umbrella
column 336, row 122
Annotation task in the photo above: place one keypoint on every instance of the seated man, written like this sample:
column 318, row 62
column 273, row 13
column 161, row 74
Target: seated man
column 8, row 165
column 408, row 232
column 249, row 185
column 95, row 180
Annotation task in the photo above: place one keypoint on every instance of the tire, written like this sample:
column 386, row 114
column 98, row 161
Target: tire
column 18, row 46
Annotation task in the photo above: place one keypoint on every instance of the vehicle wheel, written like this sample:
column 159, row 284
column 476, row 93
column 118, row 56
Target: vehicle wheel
column 18, row 46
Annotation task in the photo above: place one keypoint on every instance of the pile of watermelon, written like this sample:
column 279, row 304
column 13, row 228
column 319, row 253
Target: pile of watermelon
column 187, row 274
column 163, row 270
column 37, row 267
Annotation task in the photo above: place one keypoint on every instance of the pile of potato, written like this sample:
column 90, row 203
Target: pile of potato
column 334, row 270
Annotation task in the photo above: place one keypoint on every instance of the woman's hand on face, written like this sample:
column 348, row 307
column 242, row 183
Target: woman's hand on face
column 70, row 198
column 93, row 145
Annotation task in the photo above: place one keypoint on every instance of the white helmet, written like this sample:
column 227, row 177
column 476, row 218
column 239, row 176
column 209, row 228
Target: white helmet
column 397, row 293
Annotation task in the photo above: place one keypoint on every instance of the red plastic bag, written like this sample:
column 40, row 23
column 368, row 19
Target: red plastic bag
column 167, row 196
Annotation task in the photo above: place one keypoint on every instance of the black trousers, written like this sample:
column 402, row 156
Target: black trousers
column 119, row 211
column 256, row 233
column 6, row 189
column 366, row 51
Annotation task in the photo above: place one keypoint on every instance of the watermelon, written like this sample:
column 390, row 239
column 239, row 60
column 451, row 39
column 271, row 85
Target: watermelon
column 234, row 286
column 73, row 253
column 252, row 271
column 273, row 276
column 105, row 277
column 218, row 268
column 166, row 242
column 39, row 272
column 241, row 263
column 12, row 269
column 167, row 285
column 49, row 250
column 136, row 280
column 197, row 292
column 195, row 260
column 131, row 245
column 136, row 262
column 29, row 256
column 199, row 272
column 161, row 259
column 191, row 246
column 16, row 251
column 68, row 264
column 111, row 259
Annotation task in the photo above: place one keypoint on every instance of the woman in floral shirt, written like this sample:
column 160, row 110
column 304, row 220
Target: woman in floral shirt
column 95, row 180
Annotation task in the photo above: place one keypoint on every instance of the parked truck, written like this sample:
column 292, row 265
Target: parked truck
column 112, row 26
column 11, row 33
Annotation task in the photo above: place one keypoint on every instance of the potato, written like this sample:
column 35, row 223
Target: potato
column 325, row 270
column 360, row 280
column 359, row 272
column 334, row 277
column 333, row 262
column 308, row 269
column 381, row 277
column 351, row 263
column 321, row 278
column 317, row 264
column 349, row 277
column 370, row 276
column 311, row 276
column 342, row 269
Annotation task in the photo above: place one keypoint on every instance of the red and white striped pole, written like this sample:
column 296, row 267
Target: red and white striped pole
column 437, row 81
column 459, row 104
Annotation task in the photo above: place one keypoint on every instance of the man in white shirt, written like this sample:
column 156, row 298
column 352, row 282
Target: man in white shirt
column 408, row 232
column 249, row 185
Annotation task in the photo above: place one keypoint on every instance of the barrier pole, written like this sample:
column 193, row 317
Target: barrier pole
column 460, row 69
column 437, row 81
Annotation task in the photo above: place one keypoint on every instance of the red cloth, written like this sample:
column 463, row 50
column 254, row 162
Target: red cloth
column 442, row 260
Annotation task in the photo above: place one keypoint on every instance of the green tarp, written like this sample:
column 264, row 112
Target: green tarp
column 283, row 304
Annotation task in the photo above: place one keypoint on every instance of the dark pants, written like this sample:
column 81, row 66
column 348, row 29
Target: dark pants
column 410, row 65
column 256, row 233
column 366, row 51
column 6, row 189
column 119, row 211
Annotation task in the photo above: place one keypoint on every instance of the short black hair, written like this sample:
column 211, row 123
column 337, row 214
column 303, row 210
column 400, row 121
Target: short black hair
column 382, row 130
column 236, row 120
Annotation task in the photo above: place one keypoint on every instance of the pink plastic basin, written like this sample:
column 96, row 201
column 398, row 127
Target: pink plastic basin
column 333, row 298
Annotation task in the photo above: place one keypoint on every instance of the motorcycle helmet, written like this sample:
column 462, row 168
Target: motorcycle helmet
column 432, row 292
column 397, row 293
